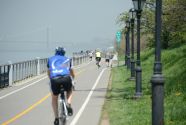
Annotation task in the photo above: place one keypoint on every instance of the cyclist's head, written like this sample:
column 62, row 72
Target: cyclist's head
column 60, row 51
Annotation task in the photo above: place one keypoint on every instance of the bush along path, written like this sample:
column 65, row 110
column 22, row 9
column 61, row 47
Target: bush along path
column 121, row 108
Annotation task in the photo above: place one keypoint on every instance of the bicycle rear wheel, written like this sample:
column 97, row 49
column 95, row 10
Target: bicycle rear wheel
column 62, row 121
column 62, row 116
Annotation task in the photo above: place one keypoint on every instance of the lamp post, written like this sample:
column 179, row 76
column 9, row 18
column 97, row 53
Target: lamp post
column 138, row 5
column 128, row 42
column 125, row 45
column 131, row 13
column 157, row 79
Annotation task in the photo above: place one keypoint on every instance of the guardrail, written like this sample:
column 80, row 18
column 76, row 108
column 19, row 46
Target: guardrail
column 4, row 75
column 15, row 72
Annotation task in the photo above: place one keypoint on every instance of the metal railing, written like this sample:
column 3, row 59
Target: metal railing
column 4, row 75
column 15, row 72
column 79, row 58
column 26, row 69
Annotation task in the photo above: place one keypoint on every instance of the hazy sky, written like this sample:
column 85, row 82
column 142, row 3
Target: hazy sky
column 71, row 23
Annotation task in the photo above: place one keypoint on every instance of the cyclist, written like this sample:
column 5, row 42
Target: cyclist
column 98, row 57
column 60, row 72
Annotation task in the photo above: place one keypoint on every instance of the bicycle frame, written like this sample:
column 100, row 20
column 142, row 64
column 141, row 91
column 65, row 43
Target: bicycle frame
column 62, row 108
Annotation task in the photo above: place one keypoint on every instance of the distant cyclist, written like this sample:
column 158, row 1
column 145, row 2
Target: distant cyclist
column 60, row 72
column 98, row 57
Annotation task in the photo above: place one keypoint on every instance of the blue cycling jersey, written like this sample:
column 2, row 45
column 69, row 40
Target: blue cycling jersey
column 59, row 66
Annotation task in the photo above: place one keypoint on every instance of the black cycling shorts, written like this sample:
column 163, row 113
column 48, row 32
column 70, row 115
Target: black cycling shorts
column 56, row 83
column 98, row 59
column 107, row 60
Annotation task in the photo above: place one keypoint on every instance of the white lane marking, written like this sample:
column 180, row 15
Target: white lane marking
column 76, row 118
column 1, row 97
column 22, row 88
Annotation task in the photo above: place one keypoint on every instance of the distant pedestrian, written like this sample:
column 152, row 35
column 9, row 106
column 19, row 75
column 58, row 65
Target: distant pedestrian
column 90, row 55
column 107, row 59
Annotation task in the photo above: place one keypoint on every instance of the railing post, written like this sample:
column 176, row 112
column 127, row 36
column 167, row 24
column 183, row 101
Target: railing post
column 38, row 65
column 10, row 73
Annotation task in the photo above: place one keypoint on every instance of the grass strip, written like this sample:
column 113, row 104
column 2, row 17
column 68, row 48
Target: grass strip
column 123, row 109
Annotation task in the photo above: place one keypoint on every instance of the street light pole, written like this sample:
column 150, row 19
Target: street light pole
column 132, row 11
column 138, row 63
column 128, row 43
column 138, row 5
column 125, row 45
column 157, row 79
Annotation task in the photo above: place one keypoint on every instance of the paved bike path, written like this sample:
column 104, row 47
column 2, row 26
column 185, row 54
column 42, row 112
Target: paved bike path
column 32, row 105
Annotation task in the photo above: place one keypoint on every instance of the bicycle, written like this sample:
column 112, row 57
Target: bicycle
column 98, row 62
column 62, row 107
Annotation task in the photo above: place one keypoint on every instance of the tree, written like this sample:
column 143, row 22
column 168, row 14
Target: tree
column 174, row 27
column 173, row 22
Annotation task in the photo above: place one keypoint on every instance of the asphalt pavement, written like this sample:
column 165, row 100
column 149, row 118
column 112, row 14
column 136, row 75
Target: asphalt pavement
column 29, row 102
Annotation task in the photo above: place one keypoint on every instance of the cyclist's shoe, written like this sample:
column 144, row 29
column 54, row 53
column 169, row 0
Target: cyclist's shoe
column 56, row 121
column 70, row 110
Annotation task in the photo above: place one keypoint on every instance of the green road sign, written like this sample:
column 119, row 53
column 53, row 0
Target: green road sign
column 118, row 36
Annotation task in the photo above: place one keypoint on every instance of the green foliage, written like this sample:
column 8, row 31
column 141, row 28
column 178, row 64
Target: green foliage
column 174, row 15
column 174, row 27
column 150, row 42
column 175, row 61
column 148, row 17
column 122, row 18
column 173, row 22
column 177, row 39
column 121, row 56
column 166, row 37
column 123, row 109
column 147, row 53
